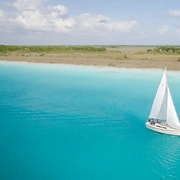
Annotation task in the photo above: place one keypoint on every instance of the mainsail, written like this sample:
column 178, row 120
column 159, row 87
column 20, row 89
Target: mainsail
column 158, row 110
column 163, row 107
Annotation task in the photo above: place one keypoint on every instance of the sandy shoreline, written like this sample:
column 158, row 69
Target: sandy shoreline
column 93, row 59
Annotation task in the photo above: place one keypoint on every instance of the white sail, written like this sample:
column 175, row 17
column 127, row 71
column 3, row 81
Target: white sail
column 158, row 110
column 172, row 118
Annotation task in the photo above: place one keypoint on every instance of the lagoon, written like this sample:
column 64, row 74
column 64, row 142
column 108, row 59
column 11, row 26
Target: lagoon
column 81, row 122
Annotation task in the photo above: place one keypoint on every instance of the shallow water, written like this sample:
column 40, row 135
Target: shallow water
column 77, row 122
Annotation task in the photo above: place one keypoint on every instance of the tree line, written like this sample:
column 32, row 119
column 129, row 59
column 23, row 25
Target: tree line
column 165, row 50
column 48, row 49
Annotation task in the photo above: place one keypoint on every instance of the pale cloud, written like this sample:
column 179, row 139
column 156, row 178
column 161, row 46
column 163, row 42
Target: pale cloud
column 103, row 23
column 1, row 13
column 35, row 20
column 22, row 5
column 164, row 29
column 122, row 26
column 174, row 13
column 34, row 15
column 88, row 21
column 60, row 10
column 178, row 30
column 54, row 19
column 32, row 19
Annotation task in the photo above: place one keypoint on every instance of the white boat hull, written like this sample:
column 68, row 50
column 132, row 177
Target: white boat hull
column 164, row 129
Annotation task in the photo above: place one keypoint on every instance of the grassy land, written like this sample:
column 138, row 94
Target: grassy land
column 119, row 56
column 49, row 49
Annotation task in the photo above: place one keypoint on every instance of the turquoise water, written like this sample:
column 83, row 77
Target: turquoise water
column 63, row 122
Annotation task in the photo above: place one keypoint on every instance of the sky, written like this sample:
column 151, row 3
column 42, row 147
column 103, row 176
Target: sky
column 90, row 22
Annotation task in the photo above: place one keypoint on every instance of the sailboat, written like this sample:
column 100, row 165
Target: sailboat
column 163, row 117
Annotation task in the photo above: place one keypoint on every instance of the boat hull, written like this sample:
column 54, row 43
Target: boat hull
column 164, row 129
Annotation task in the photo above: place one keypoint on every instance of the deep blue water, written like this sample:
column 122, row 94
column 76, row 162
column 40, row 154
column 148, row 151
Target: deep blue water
column 61, row 122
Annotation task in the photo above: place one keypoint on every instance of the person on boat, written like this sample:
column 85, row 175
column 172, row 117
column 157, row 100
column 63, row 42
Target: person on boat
column 159, row 121
column 152, row 121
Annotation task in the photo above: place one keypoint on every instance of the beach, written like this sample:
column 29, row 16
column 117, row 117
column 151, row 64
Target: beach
column 126, row 57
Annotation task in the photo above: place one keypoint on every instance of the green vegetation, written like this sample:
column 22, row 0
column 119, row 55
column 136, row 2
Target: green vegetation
column 125, row 56
column 95, row 55
column 178, row 60
column 126, row 50
column 165, row 50
column 6, row 49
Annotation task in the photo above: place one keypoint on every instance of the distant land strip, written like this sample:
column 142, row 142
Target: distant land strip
column 114, row 56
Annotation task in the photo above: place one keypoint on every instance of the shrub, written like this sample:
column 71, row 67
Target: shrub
column 178, row 60
column 125, row 56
